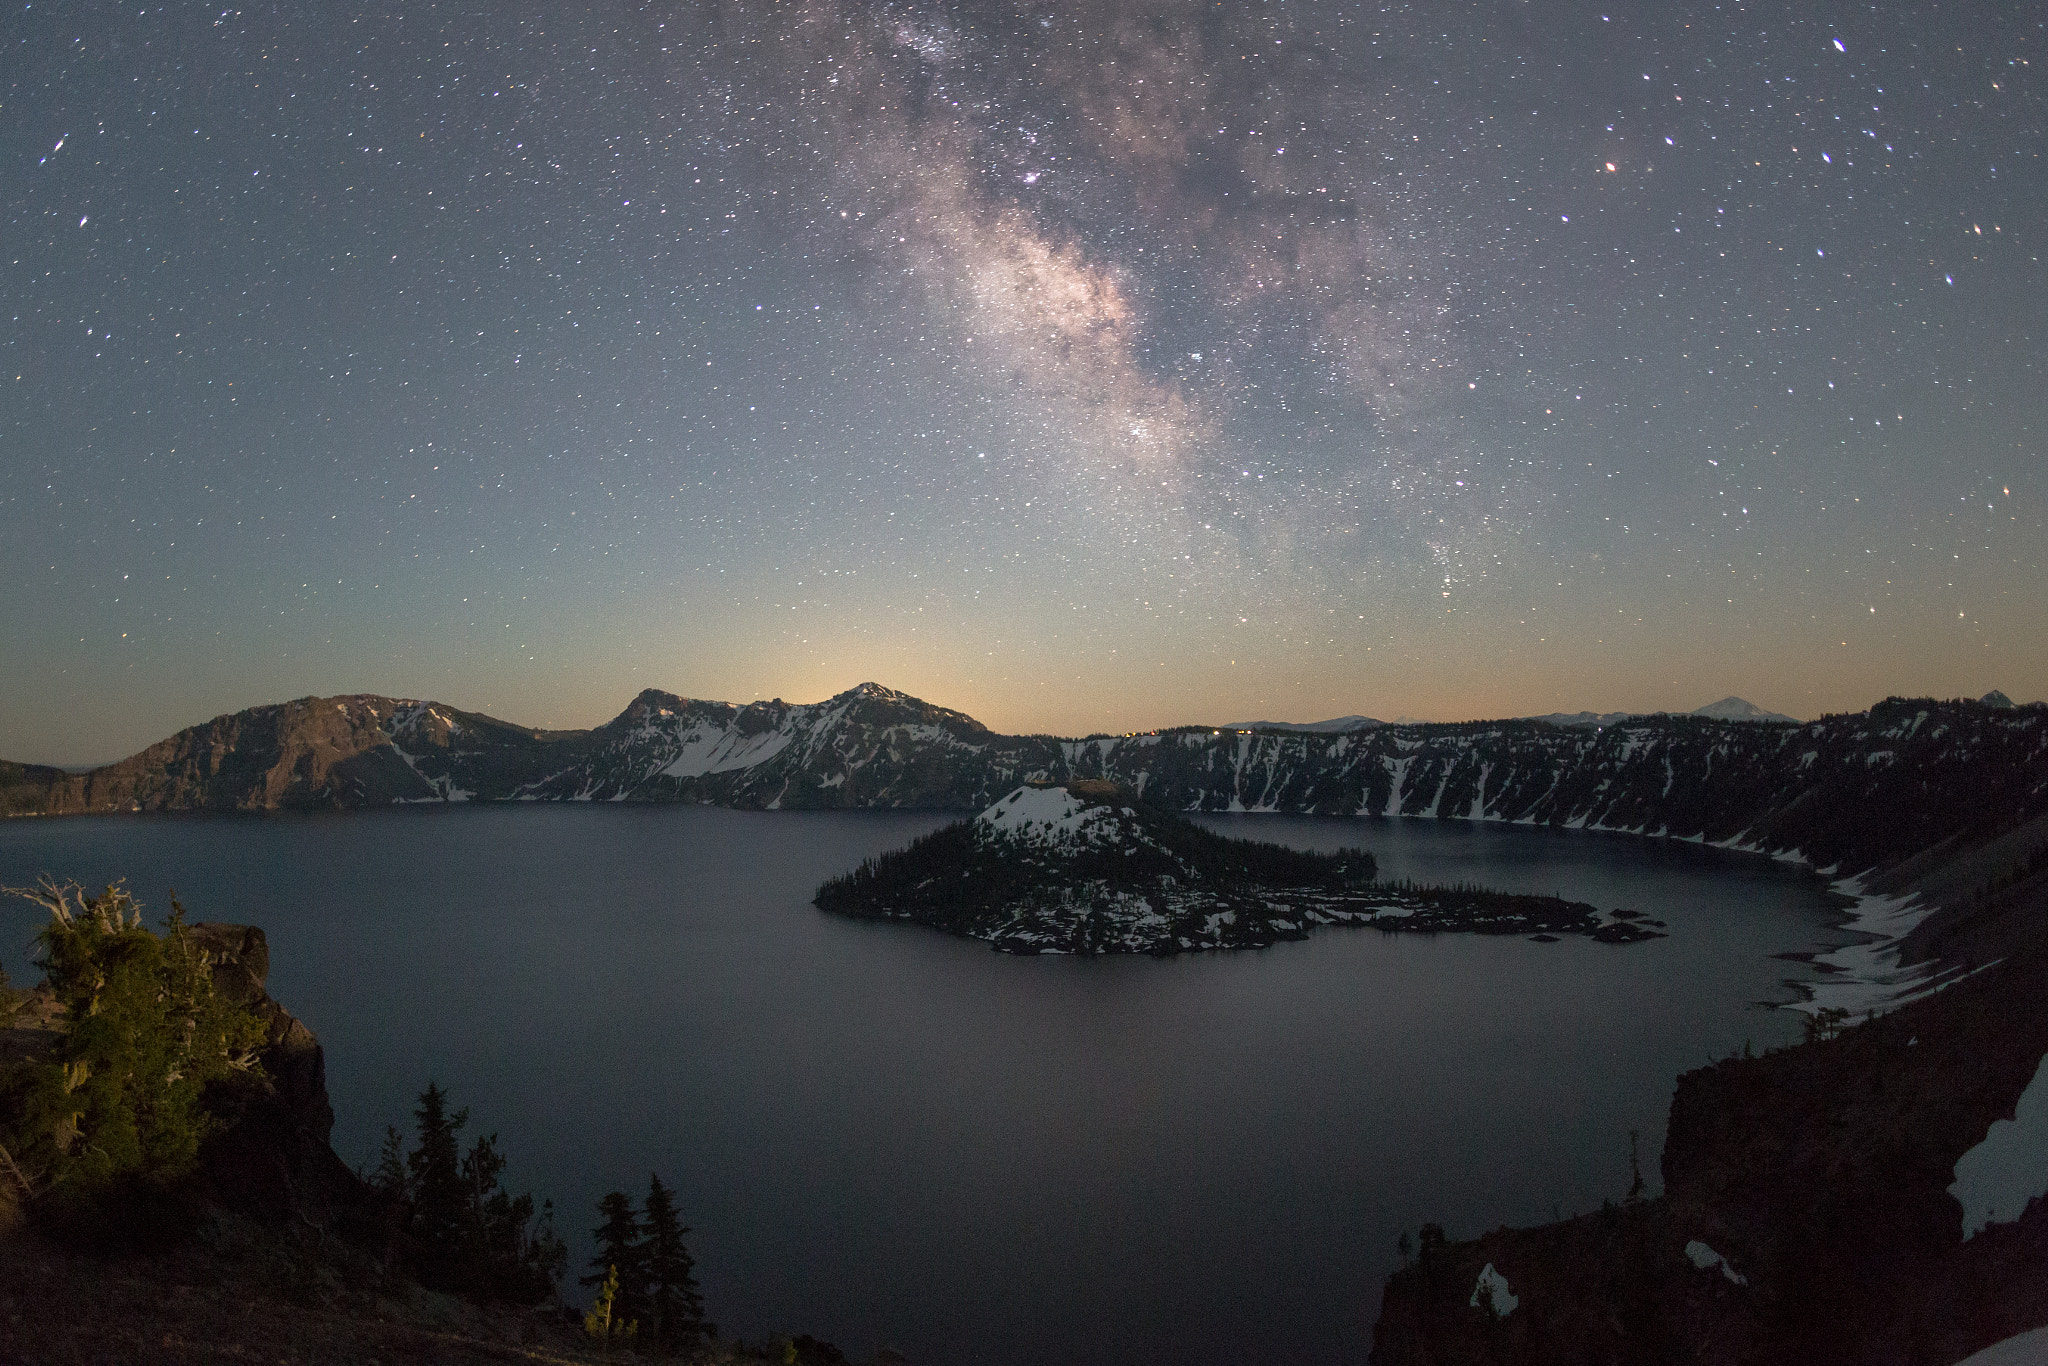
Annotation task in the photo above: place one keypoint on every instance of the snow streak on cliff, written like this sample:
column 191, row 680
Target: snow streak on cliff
column 1850, row 792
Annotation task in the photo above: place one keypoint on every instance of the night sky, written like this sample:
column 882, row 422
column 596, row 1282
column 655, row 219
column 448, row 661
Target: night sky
column 1078, row 366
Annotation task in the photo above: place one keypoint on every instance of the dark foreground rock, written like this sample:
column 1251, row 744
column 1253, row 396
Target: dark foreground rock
column 272, row 1159
column 1806, row 1215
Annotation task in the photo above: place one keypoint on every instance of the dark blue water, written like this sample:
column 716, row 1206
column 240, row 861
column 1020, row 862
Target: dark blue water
column 882, row 1135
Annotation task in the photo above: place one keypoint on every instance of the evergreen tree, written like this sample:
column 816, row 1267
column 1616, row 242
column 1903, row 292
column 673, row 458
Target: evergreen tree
column 439, row 1196
column 620, row 1250
column 489, row 1209
column 675, row 1307
column 473, row 1236
column 390, row 1179
column 547, row 1253
column 119, row 1100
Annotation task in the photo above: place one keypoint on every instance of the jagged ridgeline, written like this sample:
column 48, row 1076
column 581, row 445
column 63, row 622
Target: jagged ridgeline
column 1085, row 867
column 1852, row 792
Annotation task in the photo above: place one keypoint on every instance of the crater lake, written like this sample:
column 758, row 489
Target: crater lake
column 884, row 1136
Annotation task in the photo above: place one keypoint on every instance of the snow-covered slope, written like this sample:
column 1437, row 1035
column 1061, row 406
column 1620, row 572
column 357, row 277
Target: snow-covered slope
column 1059, row 818
column 868, row 746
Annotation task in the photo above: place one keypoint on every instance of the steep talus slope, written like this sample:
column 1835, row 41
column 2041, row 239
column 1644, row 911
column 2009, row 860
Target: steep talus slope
column 337, row 752
column 455, row 756
column 1991, row 894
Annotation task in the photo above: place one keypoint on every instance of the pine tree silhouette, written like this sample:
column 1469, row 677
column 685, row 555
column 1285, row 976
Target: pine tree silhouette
column 675, row 1306
column 435, row 1169
column 620, row 1248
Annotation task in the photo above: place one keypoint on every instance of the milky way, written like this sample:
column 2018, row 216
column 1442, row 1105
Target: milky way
column 1081, row 366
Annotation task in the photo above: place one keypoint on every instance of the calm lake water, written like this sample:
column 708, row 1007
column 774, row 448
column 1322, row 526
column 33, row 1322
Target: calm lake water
column 882, row 1135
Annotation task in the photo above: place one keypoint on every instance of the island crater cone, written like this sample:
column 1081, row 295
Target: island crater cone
column 1087, row 867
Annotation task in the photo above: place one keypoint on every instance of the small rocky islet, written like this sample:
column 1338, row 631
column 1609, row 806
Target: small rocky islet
column 1086, row 867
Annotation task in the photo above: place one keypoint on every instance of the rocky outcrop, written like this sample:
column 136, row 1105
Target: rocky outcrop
column 1806, row 1214
column 271, row 1157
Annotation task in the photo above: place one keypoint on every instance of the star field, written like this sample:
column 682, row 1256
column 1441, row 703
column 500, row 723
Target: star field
column 1079, row 366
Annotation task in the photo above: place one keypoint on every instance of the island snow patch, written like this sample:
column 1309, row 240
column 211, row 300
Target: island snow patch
column 1051, row 815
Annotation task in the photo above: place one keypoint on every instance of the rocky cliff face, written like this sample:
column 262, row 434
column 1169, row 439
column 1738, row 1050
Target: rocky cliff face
column 1856, row 791
column 1806, row 1217
column 272, row 1156
column 1853, row 792
column 312, row 752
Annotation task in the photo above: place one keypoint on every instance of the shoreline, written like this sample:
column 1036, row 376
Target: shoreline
column 1860, row 977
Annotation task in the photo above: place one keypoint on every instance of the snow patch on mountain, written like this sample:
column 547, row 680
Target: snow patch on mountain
column 708, row 748
column 1867, row 975
column 1050, row 815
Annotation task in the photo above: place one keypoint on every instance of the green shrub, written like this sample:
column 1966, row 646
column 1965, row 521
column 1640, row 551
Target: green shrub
column 144, row 1035
column 111, row 1123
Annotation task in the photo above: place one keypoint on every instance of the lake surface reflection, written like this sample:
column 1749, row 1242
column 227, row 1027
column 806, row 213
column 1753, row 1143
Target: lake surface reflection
column 881, row 1135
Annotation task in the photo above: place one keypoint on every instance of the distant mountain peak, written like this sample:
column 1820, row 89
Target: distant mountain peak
column 1336, row 725
column 876, row 704
column 654, row 700
column 1739, row 709
column 1727, row 709
column 1996, row 700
